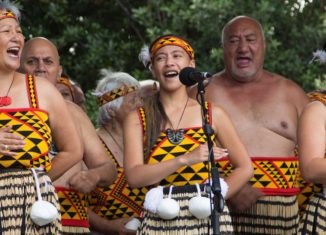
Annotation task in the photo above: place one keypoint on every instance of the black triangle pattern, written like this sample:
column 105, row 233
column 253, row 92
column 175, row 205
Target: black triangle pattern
column 32, row 124
column 306, row 191
column 165, row 150
column 72, row 205
column 4, row 122
column 272, row 174
column 118, row 200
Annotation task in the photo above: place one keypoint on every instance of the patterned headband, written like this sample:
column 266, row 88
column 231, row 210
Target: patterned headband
column 4, row 13
column 171, row 40
column 68, row 84
column 317, row 95
column 115, row 94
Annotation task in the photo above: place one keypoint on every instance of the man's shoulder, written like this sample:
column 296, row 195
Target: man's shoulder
column 290, row 90
column 217, row 77
column 216, row 81
column 273, row 77
column 74, row 108
column 282, row 81
column 81, row 120
column 77, row 112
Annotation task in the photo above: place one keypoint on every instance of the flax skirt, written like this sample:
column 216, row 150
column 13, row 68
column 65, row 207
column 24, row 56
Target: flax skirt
column 271, row 215
column 314, row 217
column 185, row 223
column 17, row 194
column 69, row 230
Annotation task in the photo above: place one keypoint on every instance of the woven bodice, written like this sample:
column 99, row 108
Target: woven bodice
column 33, row 124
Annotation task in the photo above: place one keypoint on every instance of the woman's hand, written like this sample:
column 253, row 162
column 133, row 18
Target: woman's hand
column 10, row 141
column 200, row 154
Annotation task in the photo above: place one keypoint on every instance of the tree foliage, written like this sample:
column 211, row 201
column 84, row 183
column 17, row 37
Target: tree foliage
column 95, row 34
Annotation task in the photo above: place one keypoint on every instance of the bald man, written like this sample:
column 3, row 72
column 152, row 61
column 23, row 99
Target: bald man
column 40, row 57
column 265, row 109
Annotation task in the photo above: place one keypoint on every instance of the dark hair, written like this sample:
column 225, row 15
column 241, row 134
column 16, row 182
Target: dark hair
column 156, row 119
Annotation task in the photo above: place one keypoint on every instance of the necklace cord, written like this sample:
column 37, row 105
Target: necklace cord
column 12, row 81
column 5, row 100
column 181, row 116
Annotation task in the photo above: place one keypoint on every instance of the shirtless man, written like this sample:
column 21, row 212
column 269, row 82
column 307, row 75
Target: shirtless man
column 265, row 108
column 40, row 57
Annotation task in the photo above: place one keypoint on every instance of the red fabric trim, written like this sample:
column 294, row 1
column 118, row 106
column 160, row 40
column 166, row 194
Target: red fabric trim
column 35, row 91
column 29, row 90
column 61, row 188
column 41, row 155
column 140, row 120
column 75, row 223
column 72, row 222
column 8, row 110
column 283, row 158
column 281, row 192
column 209, row 111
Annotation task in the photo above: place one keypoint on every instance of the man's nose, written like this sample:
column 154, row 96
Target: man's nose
column 243, row 45
column 40, row 66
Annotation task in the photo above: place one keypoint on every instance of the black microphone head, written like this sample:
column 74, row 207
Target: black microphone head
column 184, row 76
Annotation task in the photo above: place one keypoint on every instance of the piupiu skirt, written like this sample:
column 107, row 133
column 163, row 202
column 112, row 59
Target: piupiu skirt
column 271, row 215
column 185, row 223
column 314, row 217
column 17, row 195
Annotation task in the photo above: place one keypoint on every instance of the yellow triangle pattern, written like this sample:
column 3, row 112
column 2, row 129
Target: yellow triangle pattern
column 269, row 173
column 117, row 200
column 33, row 126
column 72, row 205
column 164, row 150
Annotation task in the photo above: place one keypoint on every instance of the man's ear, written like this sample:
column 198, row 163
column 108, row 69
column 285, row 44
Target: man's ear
column 60, row 71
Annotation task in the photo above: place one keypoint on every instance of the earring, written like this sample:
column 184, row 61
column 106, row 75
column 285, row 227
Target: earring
column 168, row 208
column 199, row 206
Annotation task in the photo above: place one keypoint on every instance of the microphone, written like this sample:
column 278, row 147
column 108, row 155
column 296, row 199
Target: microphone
column 189, row 76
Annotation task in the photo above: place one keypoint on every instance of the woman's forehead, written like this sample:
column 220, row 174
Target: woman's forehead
column 170, row 49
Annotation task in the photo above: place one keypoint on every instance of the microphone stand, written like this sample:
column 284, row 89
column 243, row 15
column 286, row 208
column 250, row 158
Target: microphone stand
column 215, row 186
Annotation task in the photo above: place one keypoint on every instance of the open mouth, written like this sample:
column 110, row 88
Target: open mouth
column 171, row 74
column 243, row 61
column 13, row 51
